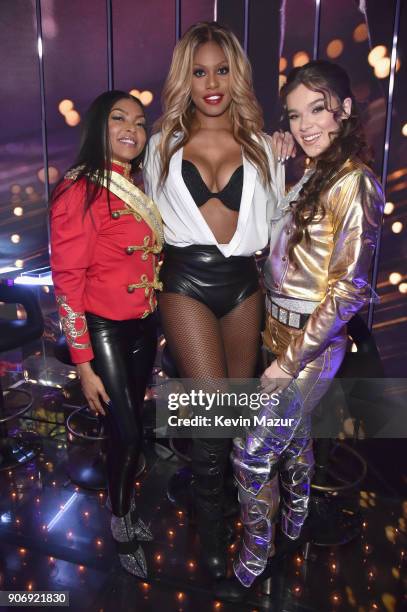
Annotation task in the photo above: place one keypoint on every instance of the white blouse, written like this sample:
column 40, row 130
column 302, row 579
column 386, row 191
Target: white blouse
column 183, row 222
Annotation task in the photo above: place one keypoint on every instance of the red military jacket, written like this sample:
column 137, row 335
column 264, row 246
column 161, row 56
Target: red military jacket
column 105, row 261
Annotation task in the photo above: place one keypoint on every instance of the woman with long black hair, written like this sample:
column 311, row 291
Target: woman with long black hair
column 106, row 235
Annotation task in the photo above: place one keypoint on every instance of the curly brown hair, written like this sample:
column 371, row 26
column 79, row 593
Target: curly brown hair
column 348, row 141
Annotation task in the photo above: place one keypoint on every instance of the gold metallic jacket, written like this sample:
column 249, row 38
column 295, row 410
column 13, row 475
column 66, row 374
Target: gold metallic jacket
column 333, row 269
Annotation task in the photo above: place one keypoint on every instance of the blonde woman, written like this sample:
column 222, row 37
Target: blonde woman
column 212, row 172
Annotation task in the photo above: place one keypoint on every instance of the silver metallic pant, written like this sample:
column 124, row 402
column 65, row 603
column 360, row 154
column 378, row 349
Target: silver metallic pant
column 274, row 461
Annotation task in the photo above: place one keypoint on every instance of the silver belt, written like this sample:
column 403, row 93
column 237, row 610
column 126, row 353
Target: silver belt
column 285, row 316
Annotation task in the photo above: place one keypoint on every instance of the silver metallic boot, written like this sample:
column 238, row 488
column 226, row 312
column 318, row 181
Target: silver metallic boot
column 141, row 530
column 131, row 554
column 258, row 515
column 295, row 480
column 255, row 462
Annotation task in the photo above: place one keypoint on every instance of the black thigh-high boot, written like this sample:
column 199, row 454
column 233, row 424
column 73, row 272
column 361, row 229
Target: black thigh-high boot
column 209, row 461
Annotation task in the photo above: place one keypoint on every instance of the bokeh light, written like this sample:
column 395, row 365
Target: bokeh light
column 72, row 118
column 393, row 176
column 65, row 106
column 146, row 97
column 403, row 287
column 335, row 48
column 397, row 227
column 15, row 238
column 19, row 263
column 382, row 68
column 376, row 54
column 18, row 211
column 388, row 208
column 283, row 64
column 360, row 33
column 53, row 174
column 282, row 79
column 300, row 58
column 404, row 129
column 395, row 278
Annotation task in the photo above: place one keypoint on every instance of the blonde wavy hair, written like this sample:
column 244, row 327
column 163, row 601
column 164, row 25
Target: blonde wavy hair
column 178, row 108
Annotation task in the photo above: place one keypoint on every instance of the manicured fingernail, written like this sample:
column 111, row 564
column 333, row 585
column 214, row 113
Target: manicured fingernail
column 287, row 158
column 279, row 159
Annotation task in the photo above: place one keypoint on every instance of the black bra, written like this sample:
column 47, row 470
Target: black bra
column 230, row 195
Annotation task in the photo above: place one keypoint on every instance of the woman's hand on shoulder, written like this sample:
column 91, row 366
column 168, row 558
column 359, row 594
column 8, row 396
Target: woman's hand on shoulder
column 93, row 388
column 283, row 146
column 274, row 379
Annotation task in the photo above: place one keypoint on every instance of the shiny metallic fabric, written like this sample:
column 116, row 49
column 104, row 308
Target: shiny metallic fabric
column 135, row 563
column 256, row 458
column 295, row 480
column 334, row 270
column 331, row 269
column 253, row 458
column 257, row 515
column 141, row 530
column 123, row 531
column 254, row 461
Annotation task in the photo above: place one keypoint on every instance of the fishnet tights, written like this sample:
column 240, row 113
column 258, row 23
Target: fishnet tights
column 205, row 347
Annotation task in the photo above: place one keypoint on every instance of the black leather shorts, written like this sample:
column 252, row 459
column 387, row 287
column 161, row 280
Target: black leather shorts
column 202, row 272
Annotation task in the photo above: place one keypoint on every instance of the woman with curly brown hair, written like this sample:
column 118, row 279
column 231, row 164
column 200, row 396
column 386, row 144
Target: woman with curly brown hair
column 216, row 181
column 322, row 241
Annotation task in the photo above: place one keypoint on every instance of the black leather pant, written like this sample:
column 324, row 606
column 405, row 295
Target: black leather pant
column 124, row 356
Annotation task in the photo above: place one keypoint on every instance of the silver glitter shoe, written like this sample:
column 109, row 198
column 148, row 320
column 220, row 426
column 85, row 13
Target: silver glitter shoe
column 131, row 554
column 141, row 530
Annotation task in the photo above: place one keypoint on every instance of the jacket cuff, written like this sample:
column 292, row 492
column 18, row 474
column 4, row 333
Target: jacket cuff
column 81, row 355
column 287, row 367
column 75, row 328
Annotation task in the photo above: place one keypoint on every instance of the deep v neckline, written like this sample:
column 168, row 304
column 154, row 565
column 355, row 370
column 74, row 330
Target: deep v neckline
column 249, row 182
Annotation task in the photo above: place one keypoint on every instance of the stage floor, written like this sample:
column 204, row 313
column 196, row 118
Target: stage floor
column 55, row 536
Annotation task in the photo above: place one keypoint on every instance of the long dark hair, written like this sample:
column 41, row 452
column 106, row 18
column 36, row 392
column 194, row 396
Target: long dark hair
column 95, row 153
column 348, row 141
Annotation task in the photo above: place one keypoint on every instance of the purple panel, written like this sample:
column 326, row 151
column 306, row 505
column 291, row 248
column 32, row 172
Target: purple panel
column 199, row 10
column 390, row 321
column 75, row 61
column 263, row 51
column 370, row 91
column 22, row 207
column 143, row 38
column 298, row 29
column 297, row 40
